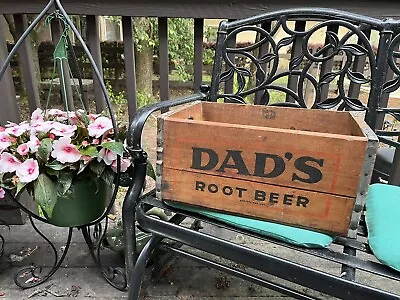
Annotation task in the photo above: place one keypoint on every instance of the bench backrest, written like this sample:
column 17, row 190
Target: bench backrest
column 354, row 54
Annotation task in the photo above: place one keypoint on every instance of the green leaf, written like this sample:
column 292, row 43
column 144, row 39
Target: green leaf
column 20, row 186
column 57, row 166
column 90, row 151
column 45, row 194
column 82, row 166
column 97, row 168
column 45, row 149
column 64, row 183
column 150, row 171
column 108, row 176
column 116, row 147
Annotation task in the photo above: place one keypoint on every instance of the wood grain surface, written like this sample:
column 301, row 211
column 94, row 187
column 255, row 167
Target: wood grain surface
column 296, row 166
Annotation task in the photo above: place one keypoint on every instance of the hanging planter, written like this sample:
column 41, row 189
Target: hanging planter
column 68, row 168
column 68, row 160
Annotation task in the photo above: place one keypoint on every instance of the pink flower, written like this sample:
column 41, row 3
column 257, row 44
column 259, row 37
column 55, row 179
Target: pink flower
column 93, row 117
column 2, row 129
column 2, row 193
column 107, row 155
column 8, row 163
column 55, row 112
column 37, row 116
column 100, row 126
column 85, row 143
column 34, row 144
column 23, row 149
column 11, row 124
column 4, row 140
column 63, row 130
column 96, row 142
column 125, row 163
column 18, row 130
column 28, row 171
column 64, row 151
column 42, row 127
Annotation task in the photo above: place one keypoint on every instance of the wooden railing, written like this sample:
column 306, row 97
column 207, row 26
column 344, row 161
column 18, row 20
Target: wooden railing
column 199, row 10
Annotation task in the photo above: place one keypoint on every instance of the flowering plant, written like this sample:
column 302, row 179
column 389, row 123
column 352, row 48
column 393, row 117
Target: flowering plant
column 57, row 148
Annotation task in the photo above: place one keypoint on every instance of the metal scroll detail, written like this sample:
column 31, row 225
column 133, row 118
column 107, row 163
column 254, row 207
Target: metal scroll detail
column 262, row 61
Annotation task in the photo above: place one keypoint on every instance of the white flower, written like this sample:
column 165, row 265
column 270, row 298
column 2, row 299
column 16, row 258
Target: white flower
column 107, row 155
column 8, row 163
column 63, row 130
column 34, row 144
column 125, row 163
column 28, row 171
column 23, row 149
column 37, row 116
column 100, row 126
column 42, row 127
column 64, row 151
column 2, row 193
column 17, row 130
column 4, row 141
column 55, row 112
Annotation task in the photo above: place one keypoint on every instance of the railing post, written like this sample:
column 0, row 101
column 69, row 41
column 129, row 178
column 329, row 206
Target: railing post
column 198, row 53
column 327, row 65
column 163, row 56
column 378, row 78
column 229, row 84
column 94, row 46
column 129, row 58
column 26, row 64
column 296, row 51
column 264, row 49
column 9, row 109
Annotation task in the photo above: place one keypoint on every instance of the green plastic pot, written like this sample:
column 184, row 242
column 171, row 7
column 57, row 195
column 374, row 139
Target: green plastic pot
column 82, row 204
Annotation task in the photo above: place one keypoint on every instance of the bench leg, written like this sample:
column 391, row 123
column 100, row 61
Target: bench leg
column 128, row 216
column 140, row 266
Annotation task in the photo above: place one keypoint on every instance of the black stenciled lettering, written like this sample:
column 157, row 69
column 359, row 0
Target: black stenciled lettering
column 273, row 198
column 314, row 174
column 200, row 186
column 227, row 190
column 197, row 156
column 212, row 188
column 302, row 201
column 259, row 195
column 240, row 190
column 238, row 162
column 261, row 161
column 287, row 199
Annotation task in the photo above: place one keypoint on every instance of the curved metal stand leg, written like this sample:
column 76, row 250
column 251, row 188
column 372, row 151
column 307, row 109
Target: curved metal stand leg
column 115, row 276
column 140, row 266
column 32, row 276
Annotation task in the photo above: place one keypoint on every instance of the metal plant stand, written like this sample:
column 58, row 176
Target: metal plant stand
column 93, row 233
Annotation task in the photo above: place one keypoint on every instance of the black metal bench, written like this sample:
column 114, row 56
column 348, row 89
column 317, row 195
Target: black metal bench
column 344, row 34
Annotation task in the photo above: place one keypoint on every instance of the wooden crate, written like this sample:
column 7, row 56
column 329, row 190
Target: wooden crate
column 293, row 166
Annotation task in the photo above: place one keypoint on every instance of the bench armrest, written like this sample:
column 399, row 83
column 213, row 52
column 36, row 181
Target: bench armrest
column 134, row 136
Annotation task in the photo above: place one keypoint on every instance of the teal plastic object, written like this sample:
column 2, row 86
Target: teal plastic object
column 383, row 223
column 292, row 235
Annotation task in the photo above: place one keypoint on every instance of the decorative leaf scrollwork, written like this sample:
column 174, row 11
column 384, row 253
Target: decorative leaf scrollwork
column 296, row 61
column 357, row 77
